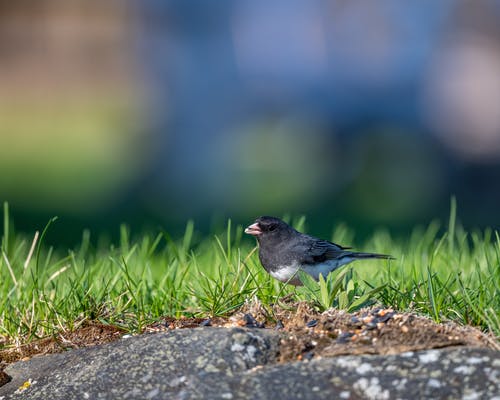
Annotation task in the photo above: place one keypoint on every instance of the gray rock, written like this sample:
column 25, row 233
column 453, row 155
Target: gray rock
column 163, row 365
column 459, row 373
column 219, row 363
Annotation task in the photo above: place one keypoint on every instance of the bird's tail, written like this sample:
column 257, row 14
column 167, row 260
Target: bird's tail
column 372, row 255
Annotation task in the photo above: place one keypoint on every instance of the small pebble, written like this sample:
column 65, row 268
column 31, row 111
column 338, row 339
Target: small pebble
column 371, row 325
column 312, row 323
column 206, row 322
column 279, row 325
column 251, row 322
column 345, row 337
column 249, row 319
column 386, row 317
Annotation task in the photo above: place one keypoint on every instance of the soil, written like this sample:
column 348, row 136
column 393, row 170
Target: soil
column 375, row 330
column 89, row 334
column 306, row 333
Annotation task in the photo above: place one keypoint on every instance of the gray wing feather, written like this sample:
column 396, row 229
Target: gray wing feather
column 323, row 250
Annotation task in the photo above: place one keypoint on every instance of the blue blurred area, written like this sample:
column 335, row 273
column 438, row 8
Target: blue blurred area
column 370, row 113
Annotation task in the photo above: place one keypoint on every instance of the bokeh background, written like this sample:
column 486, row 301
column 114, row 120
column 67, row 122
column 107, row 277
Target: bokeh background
column 153, row 112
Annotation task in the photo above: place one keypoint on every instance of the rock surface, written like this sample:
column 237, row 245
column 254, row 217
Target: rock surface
column 220, row 363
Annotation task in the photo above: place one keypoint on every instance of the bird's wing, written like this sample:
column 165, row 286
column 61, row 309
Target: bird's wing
column 323, row 250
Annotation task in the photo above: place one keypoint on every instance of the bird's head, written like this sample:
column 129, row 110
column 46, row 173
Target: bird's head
column 267, row 227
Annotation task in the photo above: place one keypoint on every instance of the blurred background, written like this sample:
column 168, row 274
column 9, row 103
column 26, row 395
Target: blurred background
column 153, row 112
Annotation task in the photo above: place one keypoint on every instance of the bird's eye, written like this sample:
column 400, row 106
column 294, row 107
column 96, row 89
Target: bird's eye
column 272, row 228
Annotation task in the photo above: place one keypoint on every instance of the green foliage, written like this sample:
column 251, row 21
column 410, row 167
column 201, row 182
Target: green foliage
column 453, row 275
column 339, row 290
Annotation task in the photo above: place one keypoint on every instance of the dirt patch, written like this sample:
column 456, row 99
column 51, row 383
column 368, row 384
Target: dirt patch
column 369, row 331
column 169, row 323
column 90, row 334
column 305, row 332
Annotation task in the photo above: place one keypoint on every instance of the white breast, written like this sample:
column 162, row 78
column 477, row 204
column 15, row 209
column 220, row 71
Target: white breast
column 289, row 272
column 285, row 273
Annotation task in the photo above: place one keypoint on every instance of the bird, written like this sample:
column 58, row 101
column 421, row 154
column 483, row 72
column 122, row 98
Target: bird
column 283, row 251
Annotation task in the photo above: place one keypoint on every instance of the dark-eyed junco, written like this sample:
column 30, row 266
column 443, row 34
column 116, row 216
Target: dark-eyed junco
column 283, row 251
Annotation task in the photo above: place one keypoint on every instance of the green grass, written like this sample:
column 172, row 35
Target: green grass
column 447, row 276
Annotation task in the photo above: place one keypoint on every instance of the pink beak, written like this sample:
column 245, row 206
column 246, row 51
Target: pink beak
column 253, row 229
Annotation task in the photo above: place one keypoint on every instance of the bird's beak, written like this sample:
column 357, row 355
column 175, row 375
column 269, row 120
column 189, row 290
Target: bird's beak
column 253, row 229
